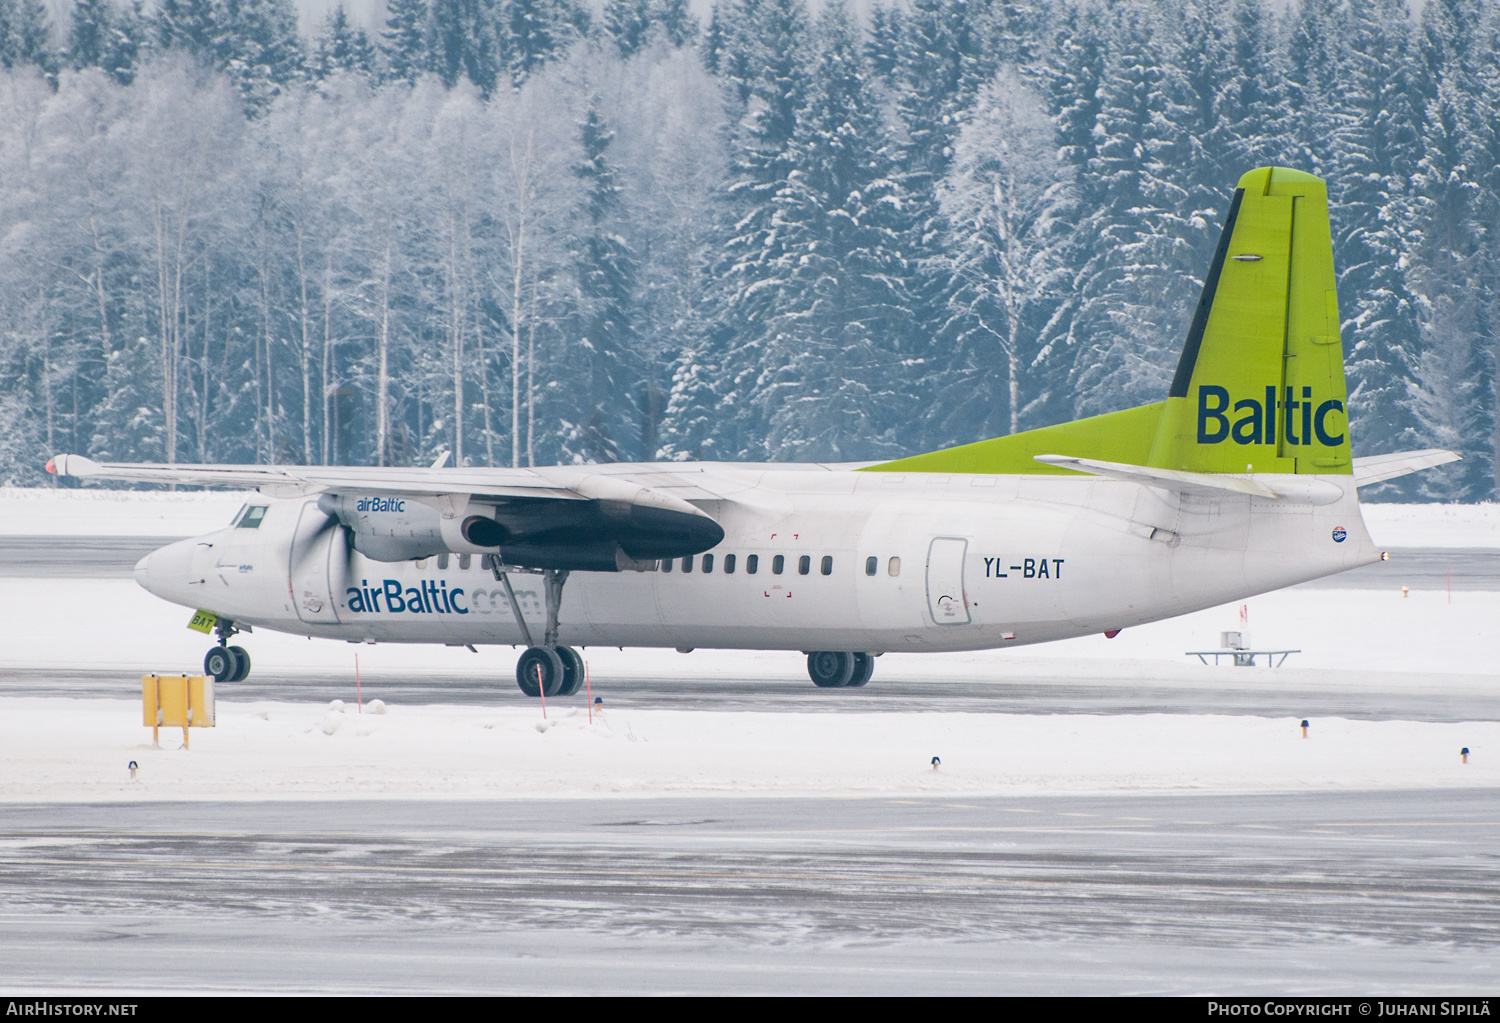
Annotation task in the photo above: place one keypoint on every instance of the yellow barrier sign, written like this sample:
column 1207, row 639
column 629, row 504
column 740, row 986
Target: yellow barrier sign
column 176, row 701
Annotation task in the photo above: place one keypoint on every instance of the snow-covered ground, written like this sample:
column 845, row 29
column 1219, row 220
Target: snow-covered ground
column 49, row 511
column 1434, row 525
column 61, row 750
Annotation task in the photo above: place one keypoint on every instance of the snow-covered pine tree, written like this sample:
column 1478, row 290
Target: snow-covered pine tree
column 90, row 33
column 731, row 50
column 627, row 22
column 603, row 388
column 469, row 41
column 186, row 25
column 1311, row 62
column 675, row 20
column 882, row 46
column 942, row 61
column 256, row 44
column 341, row 47
column 1370, row 191
column 1124, row 334
column 1454, row 372
column 1002, row 201
column 767, row 41
column 404, row 40
column 1070, row 73
column 832, row 385
column 1192, row 156
column 538, row 32
column 1252, row 102
column 32, row 35
column 713, row 40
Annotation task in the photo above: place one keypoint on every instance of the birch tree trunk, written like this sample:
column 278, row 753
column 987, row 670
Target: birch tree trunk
column 383, row 373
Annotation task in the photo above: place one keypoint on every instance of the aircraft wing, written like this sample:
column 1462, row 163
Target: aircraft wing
column 322, row 478
column 1379, row 468
column 558, row 516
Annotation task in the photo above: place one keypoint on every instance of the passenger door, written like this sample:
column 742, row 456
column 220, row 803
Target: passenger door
column 946, row 600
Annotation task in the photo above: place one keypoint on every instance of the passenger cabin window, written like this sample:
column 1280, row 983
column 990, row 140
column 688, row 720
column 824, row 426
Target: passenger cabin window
column 804, row 565
column 777, row 564
column 463, row 562
column 729, row 564
column 827, row 567
column 252, row 517
column 872, row 565
column 666, row 564
column 687, row 563
column 752, row 563
column 894, row 567
column 442, row 562
column 708, row 563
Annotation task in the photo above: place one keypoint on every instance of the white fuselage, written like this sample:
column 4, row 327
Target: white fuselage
column 961, row 562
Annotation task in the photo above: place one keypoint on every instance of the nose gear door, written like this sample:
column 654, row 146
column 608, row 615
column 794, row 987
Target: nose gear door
column 946, row 600
column 316, row 542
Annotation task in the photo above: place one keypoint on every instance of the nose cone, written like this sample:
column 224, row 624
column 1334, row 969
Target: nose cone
column 166, row 572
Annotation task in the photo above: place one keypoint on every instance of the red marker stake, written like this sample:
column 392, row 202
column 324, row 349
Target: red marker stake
column 358, row 703
column 541, row 689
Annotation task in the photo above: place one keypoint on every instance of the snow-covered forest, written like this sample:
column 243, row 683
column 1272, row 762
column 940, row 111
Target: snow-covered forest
column 534, row 231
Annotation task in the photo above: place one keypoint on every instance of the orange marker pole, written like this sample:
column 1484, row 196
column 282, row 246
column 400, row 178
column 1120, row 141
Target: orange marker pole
column 542, row 691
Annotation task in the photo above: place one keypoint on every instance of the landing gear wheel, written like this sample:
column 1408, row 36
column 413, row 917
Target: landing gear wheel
column 241, row 664
column 540, row 670
column 220, row 664
column 572, row 670
column 830, row 670
column 864, row 667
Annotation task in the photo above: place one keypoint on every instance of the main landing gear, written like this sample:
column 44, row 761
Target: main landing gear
column 546, row 669
column 553, row 670
column 832, row 670
column 226, row 663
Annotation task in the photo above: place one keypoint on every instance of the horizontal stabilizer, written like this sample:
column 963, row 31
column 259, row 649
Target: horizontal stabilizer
column 1379, row 468
column 1295, row 491
column 1177, row 480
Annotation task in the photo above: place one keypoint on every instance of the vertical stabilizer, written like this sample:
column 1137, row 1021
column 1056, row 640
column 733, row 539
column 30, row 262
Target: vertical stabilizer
column 1261, row 378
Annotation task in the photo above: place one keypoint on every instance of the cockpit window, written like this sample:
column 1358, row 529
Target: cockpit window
column 236, row 520
column 252, row 516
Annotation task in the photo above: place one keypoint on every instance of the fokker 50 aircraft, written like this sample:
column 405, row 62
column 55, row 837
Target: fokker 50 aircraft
column 1239, row 482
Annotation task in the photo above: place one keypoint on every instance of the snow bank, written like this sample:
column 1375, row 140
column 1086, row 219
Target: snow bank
column 1433, row 525
column 79, row 750
column 47, row 511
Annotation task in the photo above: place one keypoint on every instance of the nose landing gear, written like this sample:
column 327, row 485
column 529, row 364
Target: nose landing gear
column 227, row 663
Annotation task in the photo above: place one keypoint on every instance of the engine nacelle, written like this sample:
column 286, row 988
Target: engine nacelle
column 612, row 527
column 397, row 527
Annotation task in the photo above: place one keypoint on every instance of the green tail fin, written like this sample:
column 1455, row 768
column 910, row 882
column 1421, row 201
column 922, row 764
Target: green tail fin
column 1261, row 378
